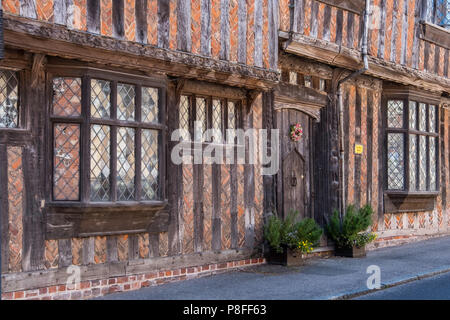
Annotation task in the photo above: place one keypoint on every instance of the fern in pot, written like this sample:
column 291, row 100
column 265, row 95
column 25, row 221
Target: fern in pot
column 349, row 232
column 290, row 241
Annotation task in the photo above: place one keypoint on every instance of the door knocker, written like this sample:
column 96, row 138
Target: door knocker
column 293, row 180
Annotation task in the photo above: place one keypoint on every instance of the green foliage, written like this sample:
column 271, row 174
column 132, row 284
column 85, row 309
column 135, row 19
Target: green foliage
column 289, row 233
column 350, row 231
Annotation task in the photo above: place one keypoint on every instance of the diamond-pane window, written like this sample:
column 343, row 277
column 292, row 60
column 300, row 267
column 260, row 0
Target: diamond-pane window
column 217, row 117
column 67, row 97
column 412, row 115
column 395, row 161
column 150, row 167
column 412, row 161
column 423, row 163
column 438, row 12
column 184, row 116
column 308, row 81
column 395, row 114
column 150, row 109
column 231, row 115
column 419, row 137
column 422, row 117
column 9, row 99
column 200, row 111
column 100, row 99
column 292, row 77
column 66, row 161
column 432, row 161
column 432, row 118
column 121, row 126
column 100, row 163
column 125, row 101
column 125, row 163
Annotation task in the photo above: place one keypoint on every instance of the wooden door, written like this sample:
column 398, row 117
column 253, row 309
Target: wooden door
column 295, row 176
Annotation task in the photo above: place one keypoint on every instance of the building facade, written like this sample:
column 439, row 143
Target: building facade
column 92, row 93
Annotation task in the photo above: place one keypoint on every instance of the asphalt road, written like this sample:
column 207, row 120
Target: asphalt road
column 319, row 279
column 434, row 288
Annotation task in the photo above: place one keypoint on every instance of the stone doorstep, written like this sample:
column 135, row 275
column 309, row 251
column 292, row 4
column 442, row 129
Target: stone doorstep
column 95, row 288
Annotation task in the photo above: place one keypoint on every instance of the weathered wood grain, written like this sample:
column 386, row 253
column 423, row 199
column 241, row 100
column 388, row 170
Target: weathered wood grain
column 93, row 16
column 184, row 25
column 118, row 19
column 141, row 21
column 205, row 39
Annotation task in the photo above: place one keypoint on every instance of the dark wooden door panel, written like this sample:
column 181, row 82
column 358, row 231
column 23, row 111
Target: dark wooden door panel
column 294, row 187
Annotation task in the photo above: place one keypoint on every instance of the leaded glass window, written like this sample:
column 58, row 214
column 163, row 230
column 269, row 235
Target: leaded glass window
column 9, row 99
column 210, row 113
column 122, row 135
column 418, row 135
column 437, row 12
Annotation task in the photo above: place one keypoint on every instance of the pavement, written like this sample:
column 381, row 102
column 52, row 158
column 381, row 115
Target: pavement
column 318, row 279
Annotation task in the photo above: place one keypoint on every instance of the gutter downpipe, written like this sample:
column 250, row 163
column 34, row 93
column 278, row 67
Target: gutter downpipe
column 364, row 52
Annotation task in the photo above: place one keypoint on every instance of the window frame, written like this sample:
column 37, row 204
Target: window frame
column 85, row 120
column 430, row 14
column 11, row 134
column 406, row 95
column 192, row 113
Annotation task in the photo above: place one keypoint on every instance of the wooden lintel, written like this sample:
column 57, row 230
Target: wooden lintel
column 332, row 54
column 220, row 91
column 57, row 40
column 355, row 6
column 290, row 93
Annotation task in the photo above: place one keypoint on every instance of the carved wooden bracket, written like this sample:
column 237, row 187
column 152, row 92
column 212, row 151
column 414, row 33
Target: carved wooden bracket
column 38, row 70
column 251, row 96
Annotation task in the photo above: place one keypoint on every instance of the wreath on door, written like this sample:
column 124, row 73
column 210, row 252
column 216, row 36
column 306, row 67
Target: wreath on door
column 296, row 132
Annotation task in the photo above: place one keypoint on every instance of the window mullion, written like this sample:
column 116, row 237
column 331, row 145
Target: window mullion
column 113, row 147
column 138, row 143
column 85, row 169
column 406, row 144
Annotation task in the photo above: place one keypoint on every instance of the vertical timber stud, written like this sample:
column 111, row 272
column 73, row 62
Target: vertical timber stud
column 93, row 16
column 3, row 196
column 33, row 157
column 184, row 25
column 174, row 172
column 268, row 180
column 249, row 174
column 141, row 21
column 118, row 19
column 163, row 23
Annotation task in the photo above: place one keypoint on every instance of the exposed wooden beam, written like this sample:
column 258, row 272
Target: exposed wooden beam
column 57, row 40
column 339, row 56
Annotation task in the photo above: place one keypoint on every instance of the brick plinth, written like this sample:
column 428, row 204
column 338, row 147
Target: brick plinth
column 101, row 287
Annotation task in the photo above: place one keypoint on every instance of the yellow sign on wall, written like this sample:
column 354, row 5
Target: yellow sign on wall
column 359, row 148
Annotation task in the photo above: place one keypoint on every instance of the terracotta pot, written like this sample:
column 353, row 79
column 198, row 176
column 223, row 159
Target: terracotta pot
column 351, row 252
column 288, row 257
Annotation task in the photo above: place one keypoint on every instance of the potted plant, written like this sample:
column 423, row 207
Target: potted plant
column 348, row 232
column 290, row 241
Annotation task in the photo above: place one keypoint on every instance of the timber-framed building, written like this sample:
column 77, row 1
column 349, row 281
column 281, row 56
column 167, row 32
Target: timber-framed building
column 92, row 91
